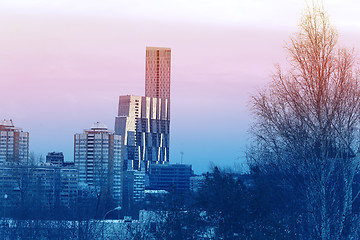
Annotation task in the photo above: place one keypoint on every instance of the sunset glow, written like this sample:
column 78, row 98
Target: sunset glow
column 64, row 66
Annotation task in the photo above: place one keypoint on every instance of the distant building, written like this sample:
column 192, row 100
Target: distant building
column 68, row 164
column 171, row 177
column 154, row 199
column 97, row 155
column 14, row 144
column 133, row 188
column 196, row 182
column 55, row 158
column 44, row 186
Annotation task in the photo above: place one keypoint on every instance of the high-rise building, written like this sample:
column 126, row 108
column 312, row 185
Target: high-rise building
column 14, row 144
column 157, row 73
column 97, row 155
column 144, row 122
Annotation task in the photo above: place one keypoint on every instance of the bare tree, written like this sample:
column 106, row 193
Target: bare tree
column 307, row 128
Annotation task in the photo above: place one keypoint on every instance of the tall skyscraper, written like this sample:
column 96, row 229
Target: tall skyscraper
column 97, row 155
column 157, row 73
column 14, row 144
column 144, row 122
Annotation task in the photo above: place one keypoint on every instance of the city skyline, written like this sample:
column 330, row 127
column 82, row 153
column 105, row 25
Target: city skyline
column 65, row 68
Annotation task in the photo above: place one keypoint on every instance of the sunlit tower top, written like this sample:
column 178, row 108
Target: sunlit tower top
column 157, row 73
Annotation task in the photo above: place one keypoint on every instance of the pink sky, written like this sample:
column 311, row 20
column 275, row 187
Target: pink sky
column 63, row 66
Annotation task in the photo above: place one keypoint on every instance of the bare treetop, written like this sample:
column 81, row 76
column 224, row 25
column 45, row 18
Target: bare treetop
column 307, row 123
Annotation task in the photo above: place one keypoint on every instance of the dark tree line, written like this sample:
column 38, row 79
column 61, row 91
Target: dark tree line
column 227, row 206
column 257, row 205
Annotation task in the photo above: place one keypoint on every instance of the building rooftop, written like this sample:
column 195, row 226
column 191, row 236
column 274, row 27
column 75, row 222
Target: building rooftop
column 160, row 48
column 8, row 125
column 99, row 126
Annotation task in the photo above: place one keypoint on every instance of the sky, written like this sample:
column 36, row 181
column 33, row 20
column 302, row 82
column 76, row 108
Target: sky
column 63, row 65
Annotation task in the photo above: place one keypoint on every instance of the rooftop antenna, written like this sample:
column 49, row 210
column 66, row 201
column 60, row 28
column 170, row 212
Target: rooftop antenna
column 182, row 156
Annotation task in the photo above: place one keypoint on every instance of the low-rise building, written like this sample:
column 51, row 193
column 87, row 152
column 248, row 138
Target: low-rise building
column 55, row 159
column 45, row 186
column 196, row 182
column 171, row 177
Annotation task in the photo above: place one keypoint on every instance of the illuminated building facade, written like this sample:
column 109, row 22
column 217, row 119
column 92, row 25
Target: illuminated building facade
column 157, row 72
column 14, row 144
column 144, row 122
column 97, row 155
